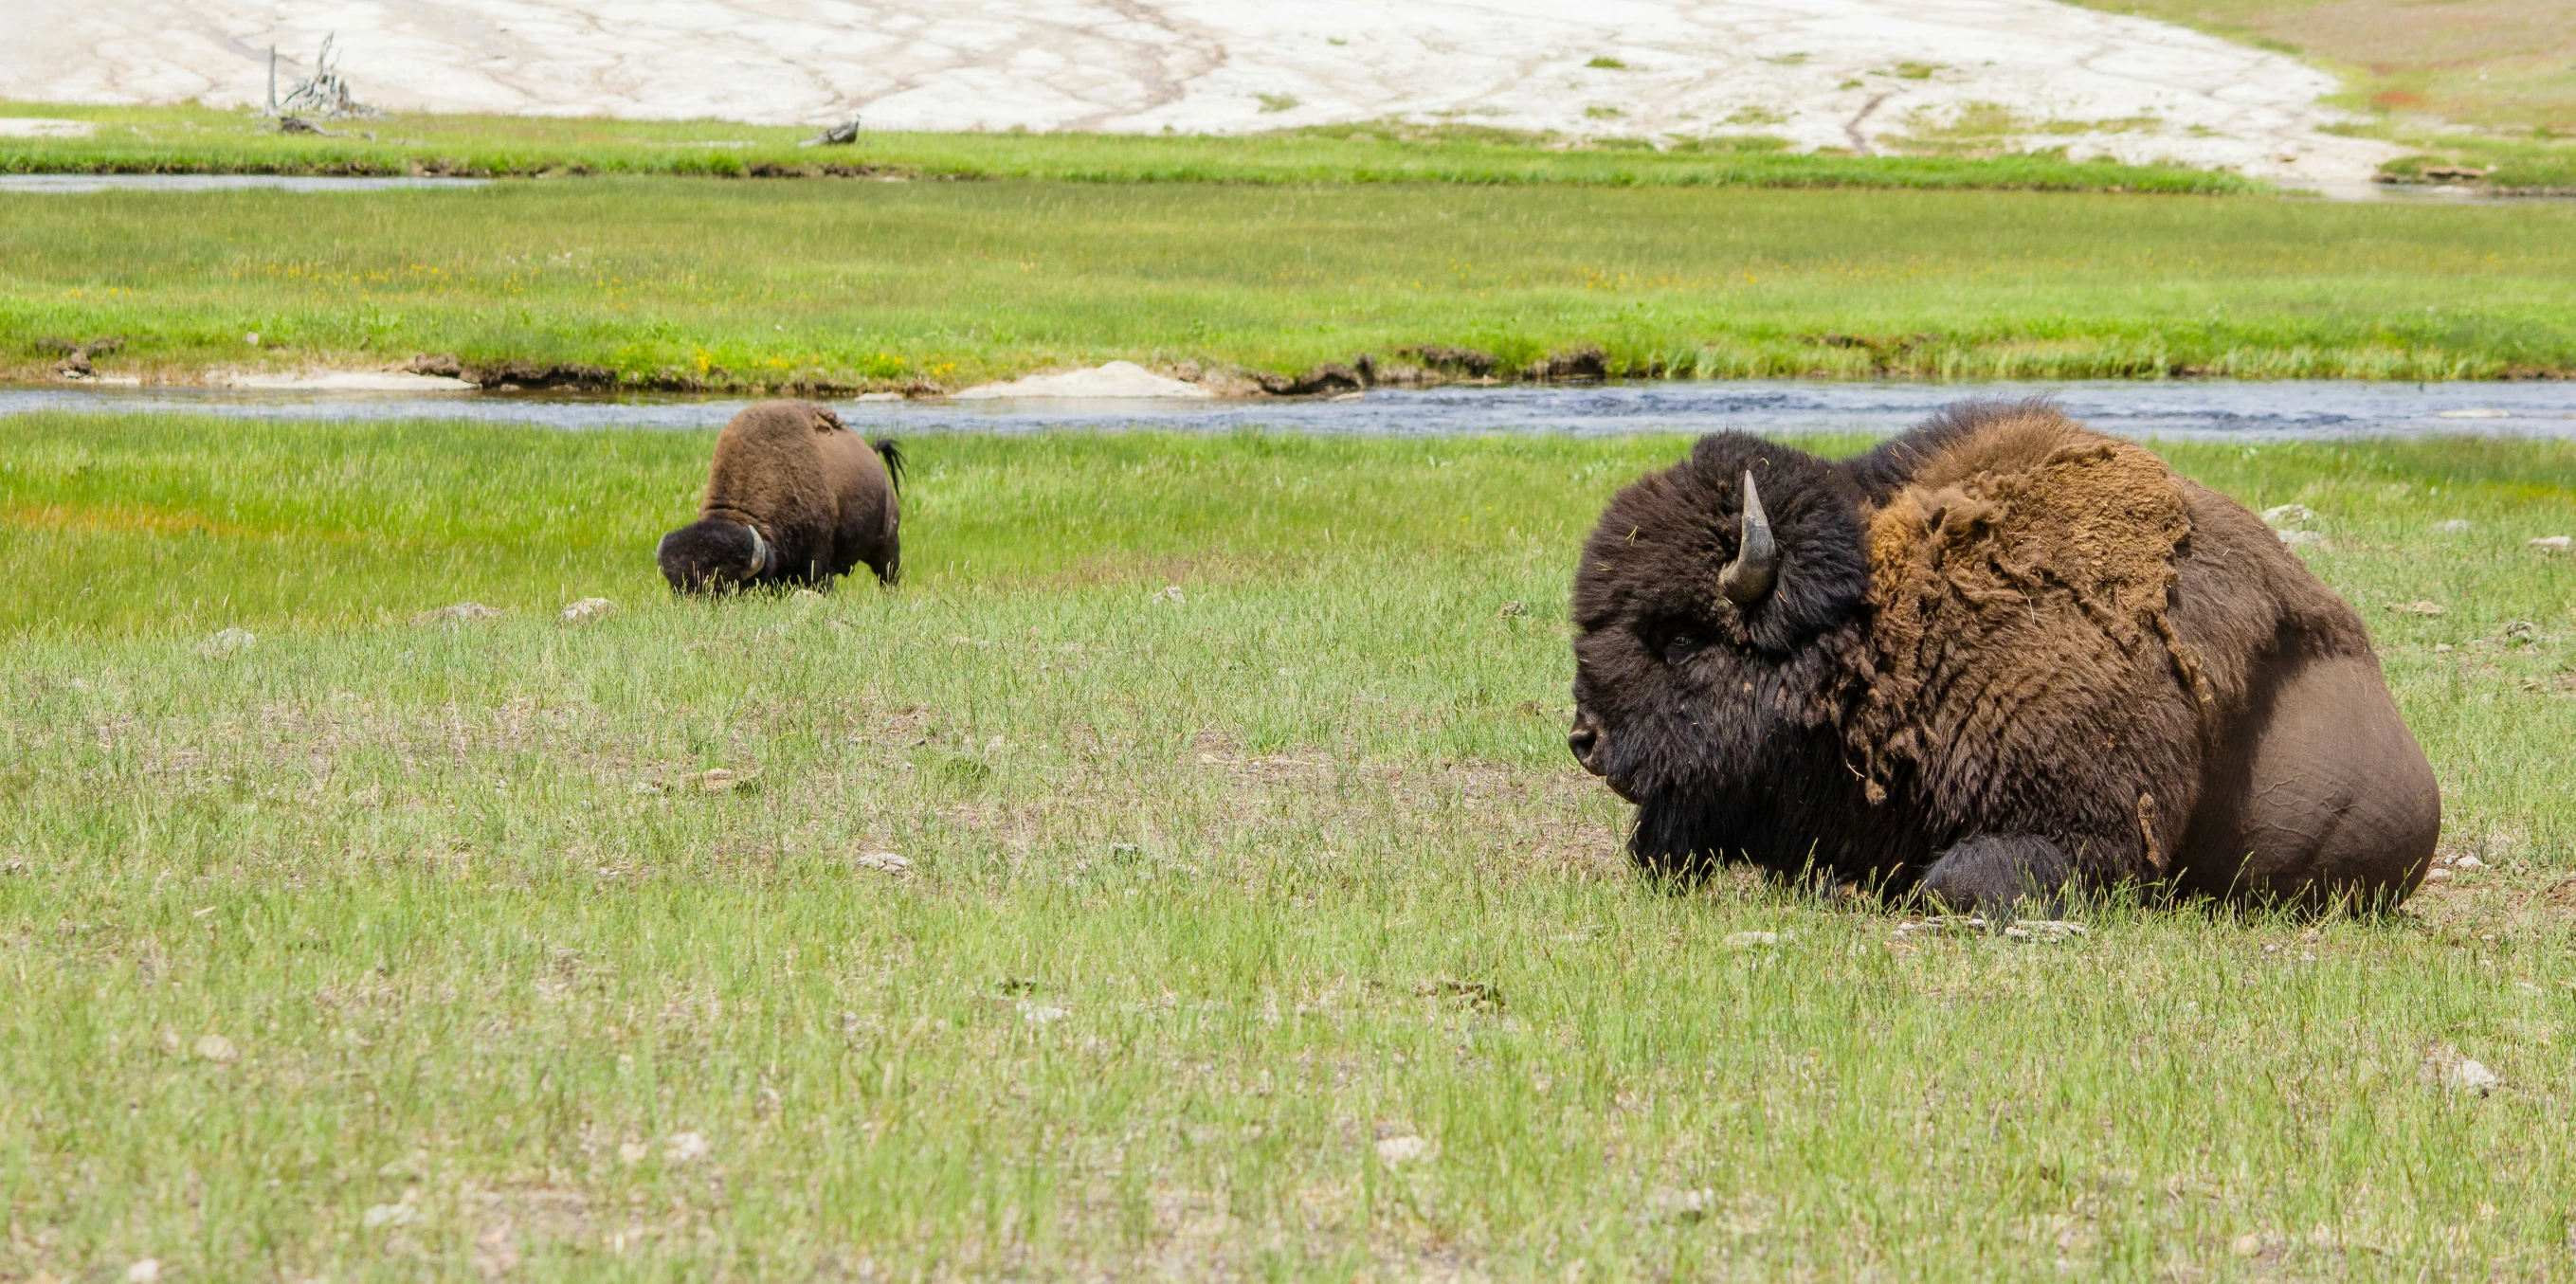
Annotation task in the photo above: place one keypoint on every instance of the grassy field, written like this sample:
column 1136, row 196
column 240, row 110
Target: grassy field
column 703, row 282
column 1257, row 929
column 152, row 140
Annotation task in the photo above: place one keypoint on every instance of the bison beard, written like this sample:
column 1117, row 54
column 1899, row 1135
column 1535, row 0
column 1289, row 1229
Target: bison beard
column 1995, row 658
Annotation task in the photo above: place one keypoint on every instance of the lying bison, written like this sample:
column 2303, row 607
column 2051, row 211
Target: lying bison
column 2000, row 656
column 794, row 497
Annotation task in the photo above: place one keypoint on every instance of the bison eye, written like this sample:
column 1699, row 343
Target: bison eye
column 1673, row 641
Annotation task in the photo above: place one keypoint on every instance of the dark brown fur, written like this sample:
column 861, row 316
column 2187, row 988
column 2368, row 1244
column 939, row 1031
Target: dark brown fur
column 2004, row 654
column 821, row 499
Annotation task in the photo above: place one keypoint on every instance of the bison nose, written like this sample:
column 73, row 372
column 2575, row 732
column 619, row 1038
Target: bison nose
column 1583, row 740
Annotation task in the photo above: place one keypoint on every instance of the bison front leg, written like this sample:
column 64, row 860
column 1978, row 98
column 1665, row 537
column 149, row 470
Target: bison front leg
column 1992, row 874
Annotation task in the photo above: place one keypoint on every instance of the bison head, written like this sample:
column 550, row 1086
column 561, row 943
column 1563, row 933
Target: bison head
column 1716, row 604
column 713, row 555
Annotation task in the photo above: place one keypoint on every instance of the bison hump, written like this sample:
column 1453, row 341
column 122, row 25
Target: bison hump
column 2017, row 584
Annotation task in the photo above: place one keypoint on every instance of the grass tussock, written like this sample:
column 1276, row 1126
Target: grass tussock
column 169, row 140
column 696, row 283
column 1259, row 927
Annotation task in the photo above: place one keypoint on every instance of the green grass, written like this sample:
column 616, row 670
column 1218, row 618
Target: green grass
column 2542, row 164
column 1209, row 897
column 152, row 140
column 703, row 282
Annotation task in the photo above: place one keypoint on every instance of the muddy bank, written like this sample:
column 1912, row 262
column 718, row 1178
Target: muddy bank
column 1826, row 356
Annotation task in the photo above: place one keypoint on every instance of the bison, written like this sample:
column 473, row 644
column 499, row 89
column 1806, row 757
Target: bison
column 2000, row 657
column 793, row 497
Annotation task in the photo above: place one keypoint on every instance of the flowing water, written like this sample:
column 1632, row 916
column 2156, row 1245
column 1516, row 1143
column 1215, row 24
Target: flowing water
column 2237, row 411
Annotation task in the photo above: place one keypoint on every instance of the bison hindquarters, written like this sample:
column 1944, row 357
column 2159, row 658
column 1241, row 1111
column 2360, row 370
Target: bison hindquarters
column 2320, row 796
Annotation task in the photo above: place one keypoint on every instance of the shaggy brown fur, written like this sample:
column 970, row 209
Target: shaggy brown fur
column 793, row 497
column 2004, row 653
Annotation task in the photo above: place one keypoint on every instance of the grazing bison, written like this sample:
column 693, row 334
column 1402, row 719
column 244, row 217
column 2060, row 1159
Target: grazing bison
column 794, row 497
column 1999, row 656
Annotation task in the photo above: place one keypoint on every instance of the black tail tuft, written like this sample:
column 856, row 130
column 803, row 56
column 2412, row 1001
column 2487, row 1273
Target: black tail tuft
column 892, row 452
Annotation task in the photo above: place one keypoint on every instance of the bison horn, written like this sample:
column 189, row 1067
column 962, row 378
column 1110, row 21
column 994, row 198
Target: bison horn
column 761, row 555
column 1748, row 578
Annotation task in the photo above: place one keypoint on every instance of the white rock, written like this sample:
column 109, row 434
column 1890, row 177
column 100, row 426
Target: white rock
column 49, row 127
column 2469, row 1076
column 1743, row 940
column 2045, row 929
column 228, row 641
column 684, row 1147
column 2437, row 876
column 2553, row 543
column 388, row 1215
column 589, row 608
column 144, row 1271
column 1118, row 379
column 883, row 862
column 2468, row 862
column 1664, row 1201
column 1397, row 1150
column 1171, row 593
column 2300, row 539
column 1815, row 73
column 1040, row 1014
column 2289, row 515
column 460, row 613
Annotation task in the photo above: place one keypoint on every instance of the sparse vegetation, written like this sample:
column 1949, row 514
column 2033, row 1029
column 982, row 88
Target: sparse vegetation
column 1036, row 922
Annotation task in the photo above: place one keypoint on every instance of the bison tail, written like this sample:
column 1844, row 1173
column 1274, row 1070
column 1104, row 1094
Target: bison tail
column 892, row 452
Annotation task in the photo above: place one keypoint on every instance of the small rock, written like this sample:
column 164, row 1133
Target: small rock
column 647, row 787
column 589, row 608
column 2300, row 539
column 2440, row 647
column 228, row 641
column 2248, row 1244
column 1171, row 593
column 218, row 1049
column 2469, row 1076
column 1040, row 1014
column 2418, row 607
column 684, row 1147
column 883, row 862
column 2468, row 862
column 389, row 1215
column 2553, row 543
column 717, row 780
column 1397, row 1150
column 1512, row 610
column 2437, row 876
column 144, row 1271
column 1682, row 1205
column 633, row 1152
column 2288, row 515
column 2455, row 526
column 1746, row 940
column 2446, row 1065
column 2044, row 929
column 461, row 613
